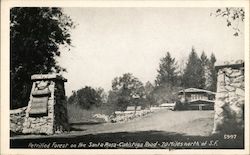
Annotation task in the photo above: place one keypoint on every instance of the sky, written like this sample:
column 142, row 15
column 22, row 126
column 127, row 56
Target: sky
column 108, row 42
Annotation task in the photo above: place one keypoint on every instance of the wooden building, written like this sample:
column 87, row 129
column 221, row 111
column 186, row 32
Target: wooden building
column 197, row 99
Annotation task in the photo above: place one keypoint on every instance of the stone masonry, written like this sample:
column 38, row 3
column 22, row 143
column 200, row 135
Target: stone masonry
column 46, row 112
column 230, row 98
column 17, row 119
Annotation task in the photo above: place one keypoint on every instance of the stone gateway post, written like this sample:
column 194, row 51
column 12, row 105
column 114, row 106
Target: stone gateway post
column 230, row 98
column 46, row 112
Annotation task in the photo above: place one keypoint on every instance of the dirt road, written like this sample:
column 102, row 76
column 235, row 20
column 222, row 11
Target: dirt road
column 184, row 122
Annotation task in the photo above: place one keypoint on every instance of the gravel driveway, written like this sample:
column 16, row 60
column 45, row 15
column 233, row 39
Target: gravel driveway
column 187, row 122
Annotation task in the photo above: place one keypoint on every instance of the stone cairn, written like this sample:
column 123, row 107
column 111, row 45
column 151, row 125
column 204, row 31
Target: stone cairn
column 46, row 112
column 230, row 98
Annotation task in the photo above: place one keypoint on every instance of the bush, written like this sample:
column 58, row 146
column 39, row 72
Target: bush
column 85, row 97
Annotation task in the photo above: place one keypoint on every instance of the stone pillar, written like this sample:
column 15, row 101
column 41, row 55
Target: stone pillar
column 230, row 98
column 46, row 112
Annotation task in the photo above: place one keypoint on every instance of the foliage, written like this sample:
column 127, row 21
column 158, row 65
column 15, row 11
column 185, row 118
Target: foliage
column 167, row 72
column 35, row 36
column 73, row 99
column 126, row 90
column 149, row 88
column 112, row 99
column 212, row 73
column 166, row 81
column 204, row 72
column 86, row 98
column 104, row 97
column 165, row 94
column 233, row 16
column 77, row 114
column 200, row 72
column 193, row 72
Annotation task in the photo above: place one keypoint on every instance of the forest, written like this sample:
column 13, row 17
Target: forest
column 128, row 90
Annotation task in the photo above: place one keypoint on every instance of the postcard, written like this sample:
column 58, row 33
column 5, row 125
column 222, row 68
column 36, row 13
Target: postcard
column 124, row 77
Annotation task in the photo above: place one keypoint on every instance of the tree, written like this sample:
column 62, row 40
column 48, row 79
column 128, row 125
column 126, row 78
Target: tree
column 112, row 100
column 149, row 88
column 233, row 16
column 86, row 97
column 212, row 73
column 102, row 94
column 167, row 81
column 204, row 72
column 35, row 36
column 167, row 72
column 165, row 94
column 73, row 98
column 193, row 71
column 127, row 90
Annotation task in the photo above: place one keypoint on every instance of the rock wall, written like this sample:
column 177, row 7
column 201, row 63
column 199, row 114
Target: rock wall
column 124, row 116
column 17, row 119
column 230, row 98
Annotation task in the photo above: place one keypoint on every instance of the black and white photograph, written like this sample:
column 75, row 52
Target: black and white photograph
column 111, row 77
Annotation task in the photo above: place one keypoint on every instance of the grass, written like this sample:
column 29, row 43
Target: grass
column 76, row 114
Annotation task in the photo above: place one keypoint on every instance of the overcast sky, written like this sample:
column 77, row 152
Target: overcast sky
column 108, row 42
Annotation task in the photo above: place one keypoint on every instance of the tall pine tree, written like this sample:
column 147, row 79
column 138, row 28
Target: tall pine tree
column 166, row 81
column 167, row 72
column 193, row 71
column 204, row 74
column 212, row 73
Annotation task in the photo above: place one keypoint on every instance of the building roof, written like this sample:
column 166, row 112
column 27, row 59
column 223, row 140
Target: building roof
column 196, row 90
column 236, row 66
